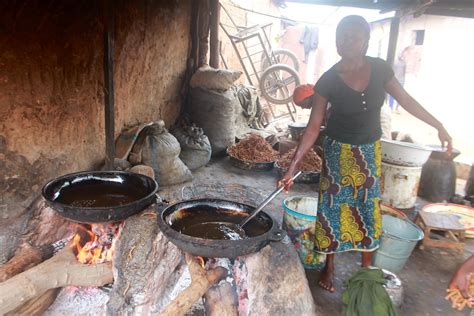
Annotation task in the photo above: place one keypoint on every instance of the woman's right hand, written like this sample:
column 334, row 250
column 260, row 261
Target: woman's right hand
column 286, row 181
column 446, row 140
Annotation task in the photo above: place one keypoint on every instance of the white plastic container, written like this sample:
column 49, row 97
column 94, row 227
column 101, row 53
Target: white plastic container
column 399, row 185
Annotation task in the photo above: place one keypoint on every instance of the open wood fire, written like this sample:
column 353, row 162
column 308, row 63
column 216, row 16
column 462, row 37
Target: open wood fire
column 150, row 275
column 84, row 259
column 95, row 243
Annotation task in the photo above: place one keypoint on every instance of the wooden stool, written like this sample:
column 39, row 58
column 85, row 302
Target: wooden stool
column 448, row 223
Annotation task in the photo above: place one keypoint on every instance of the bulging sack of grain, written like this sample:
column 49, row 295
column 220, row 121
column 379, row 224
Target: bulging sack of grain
column 214, row 112
column 195, row 146
column 161, row 152
column 214, row 79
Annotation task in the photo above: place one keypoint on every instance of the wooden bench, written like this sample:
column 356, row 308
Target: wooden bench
column 454, row 232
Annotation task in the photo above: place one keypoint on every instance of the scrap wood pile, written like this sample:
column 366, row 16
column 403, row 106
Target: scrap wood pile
column 457, row 299
column 311, row 161
column 253, row 148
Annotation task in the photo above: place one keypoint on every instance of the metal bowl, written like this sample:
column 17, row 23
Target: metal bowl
column 250, row 165
column 296, row 129
column 305, row 177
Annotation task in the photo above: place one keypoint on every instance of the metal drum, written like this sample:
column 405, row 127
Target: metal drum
column 399, row 185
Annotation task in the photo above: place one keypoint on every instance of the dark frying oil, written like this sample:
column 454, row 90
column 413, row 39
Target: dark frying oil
column 98, row 194
column 215, row 230
column 217, row 224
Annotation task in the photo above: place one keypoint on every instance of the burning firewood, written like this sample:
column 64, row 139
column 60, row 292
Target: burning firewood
column 25, row 258
column 61, row 270
column 29, row 256
column 36, row 306
column 221, row 300
column 202, row 280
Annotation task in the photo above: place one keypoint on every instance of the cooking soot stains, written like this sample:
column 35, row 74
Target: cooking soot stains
column 98, row 194
column 217, row 224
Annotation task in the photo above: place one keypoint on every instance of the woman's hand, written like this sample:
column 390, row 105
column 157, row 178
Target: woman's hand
column 461, row 278
column 460, row 281
column 286, row 181
column 446, row 140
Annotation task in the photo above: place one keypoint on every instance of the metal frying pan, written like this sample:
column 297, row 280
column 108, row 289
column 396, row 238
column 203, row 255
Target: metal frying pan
column 100, row 196
column 261, row 230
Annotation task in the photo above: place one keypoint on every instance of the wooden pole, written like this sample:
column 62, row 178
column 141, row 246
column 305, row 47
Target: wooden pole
column 203, row 32
column 194, row 36
column 109, row 84
column 392, row 41
column 214, row 34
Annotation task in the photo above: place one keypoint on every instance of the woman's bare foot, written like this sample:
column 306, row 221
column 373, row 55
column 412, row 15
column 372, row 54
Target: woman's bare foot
column 327, row 274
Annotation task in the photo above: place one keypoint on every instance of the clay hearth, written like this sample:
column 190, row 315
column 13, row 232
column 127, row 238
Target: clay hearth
column 150, row 274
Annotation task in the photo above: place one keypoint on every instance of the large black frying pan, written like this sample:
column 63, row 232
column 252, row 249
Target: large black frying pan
column 100, row 196
column 260, row 230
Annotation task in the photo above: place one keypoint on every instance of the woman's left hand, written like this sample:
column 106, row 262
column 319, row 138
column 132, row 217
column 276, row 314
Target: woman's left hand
column 446, row 140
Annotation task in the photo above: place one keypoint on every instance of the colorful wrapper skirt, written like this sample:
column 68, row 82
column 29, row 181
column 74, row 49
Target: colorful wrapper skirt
column 349, row 216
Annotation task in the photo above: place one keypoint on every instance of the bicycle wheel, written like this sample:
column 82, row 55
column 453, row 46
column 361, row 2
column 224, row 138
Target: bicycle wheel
column 282, row 56
column 278, row 82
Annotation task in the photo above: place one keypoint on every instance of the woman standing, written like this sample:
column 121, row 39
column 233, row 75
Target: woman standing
column 349, row 216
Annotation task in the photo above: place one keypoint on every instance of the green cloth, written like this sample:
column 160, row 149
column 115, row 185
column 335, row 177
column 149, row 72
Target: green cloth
column 365, row 295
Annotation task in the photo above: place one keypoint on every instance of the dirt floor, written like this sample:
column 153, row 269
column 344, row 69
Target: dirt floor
column 424, row 277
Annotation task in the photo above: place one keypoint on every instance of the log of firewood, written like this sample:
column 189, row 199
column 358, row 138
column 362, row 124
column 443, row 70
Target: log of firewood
column 25, row 258
column 221, row 300
column 38, row 305
column 201, row 281
column 59, row 271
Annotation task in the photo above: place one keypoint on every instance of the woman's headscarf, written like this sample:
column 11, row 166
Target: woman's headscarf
column 302, row 92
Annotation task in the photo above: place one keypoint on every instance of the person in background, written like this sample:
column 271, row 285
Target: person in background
column 349, row 216
column 310, row 40
column 302, row 96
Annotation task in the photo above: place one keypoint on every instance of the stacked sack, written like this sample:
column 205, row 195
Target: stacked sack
column 195, row 146
column 212, row 105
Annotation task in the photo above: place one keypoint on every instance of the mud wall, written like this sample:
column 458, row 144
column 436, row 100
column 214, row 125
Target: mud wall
column 51, row 84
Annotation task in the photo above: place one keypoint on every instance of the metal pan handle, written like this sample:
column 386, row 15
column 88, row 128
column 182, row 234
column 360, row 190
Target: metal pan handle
column 277, row 235
column 188, row 192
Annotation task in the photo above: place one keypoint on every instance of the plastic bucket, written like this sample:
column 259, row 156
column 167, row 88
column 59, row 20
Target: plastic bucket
column 299, row 221
column 398, row 239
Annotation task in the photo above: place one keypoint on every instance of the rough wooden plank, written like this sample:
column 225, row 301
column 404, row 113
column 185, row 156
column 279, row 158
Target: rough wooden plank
column 441, row 221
